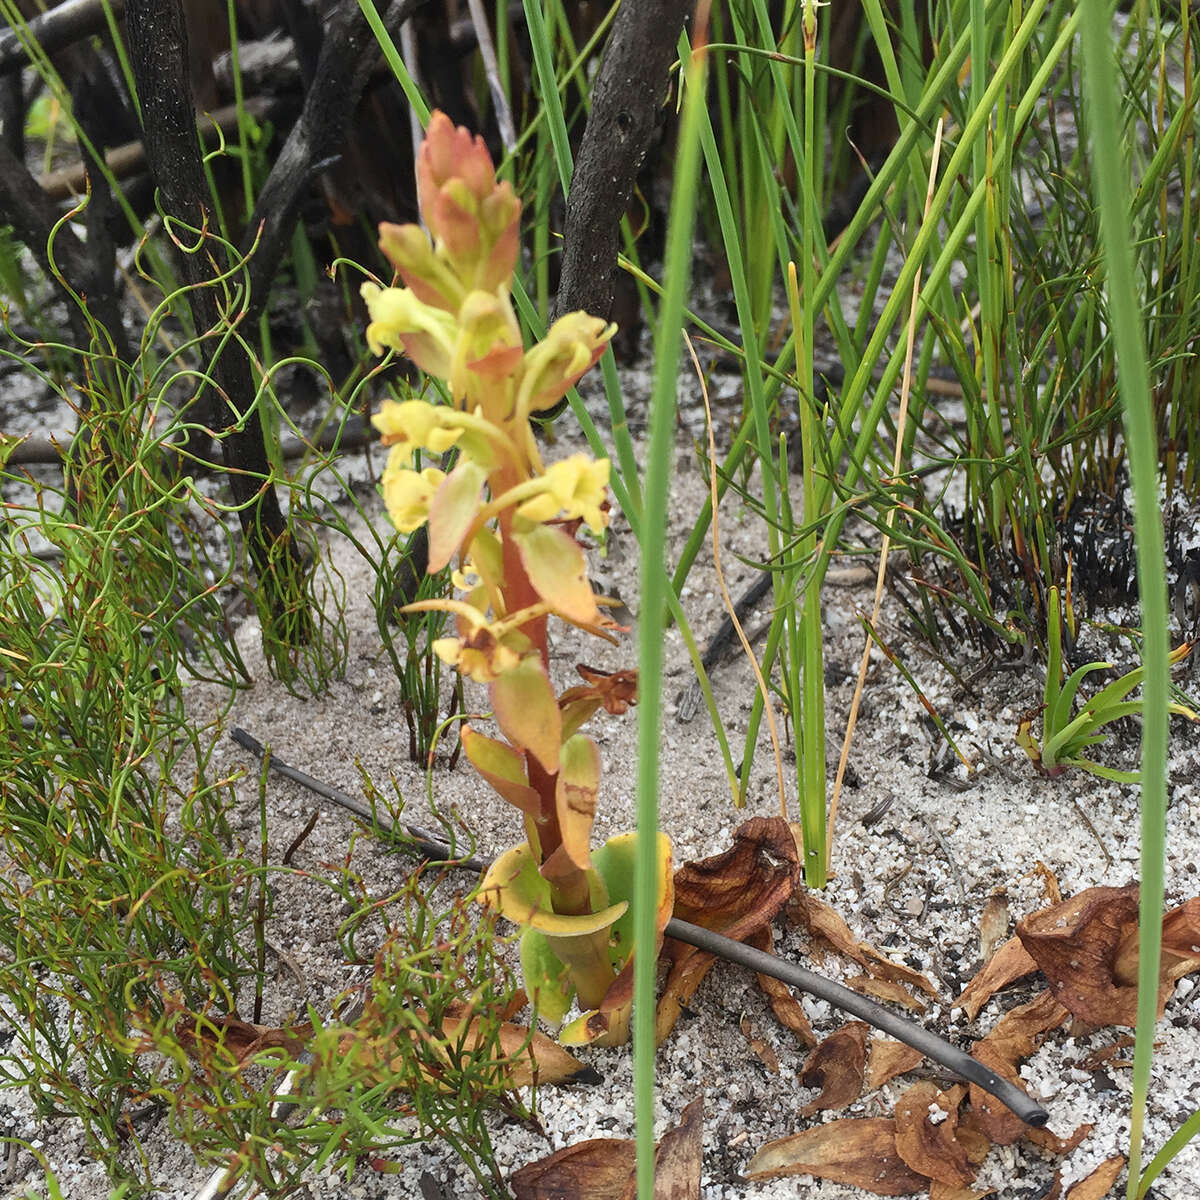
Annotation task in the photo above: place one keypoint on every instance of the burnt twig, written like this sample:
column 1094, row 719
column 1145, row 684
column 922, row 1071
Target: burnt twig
column 627, row 98
column 61, row 26
column 158, row 50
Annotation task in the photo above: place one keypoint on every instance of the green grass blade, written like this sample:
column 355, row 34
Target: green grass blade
column 655, row 588
column 1176, row 1142
column 1111, row 174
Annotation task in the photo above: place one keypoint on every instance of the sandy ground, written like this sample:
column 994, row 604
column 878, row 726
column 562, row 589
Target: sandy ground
column 913, row 881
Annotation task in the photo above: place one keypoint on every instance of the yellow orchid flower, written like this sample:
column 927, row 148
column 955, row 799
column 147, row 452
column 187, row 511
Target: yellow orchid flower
column 483, row 650
column 401, row 321
column 415, row 425
column 573, row 344
column 574, row 488
column 408, row 493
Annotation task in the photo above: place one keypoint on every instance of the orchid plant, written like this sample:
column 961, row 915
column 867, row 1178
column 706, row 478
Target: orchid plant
column 508, row 523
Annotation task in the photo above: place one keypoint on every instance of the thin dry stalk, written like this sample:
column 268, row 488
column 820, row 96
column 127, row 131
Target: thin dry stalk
column 885, row 545
column 726, row 598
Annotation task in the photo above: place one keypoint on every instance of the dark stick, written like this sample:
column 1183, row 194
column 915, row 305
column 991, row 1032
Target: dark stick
column 158, row 49
column 428, row 843
column 929, row 1044
column 24, row 206
column 626, row 101
column 344, row 64
column 61, row 26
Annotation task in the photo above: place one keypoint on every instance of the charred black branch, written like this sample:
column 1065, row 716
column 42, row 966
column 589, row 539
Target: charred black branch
column 158, row 50
column 61, row 26
column 344, row 64
column 25, row 207
column 626, row 100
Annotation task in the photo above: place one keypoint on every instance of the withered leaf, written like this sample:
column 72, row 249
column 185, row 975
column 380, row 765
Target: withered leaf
column 743, row 888
column 677, row 1159
column 1075, row 946
column 886, row 989
column 888, row 1059
column 836, row 1066
column 235, row 1039
column 598, row 1169
column 824, row 923
column 1050, row 888
column 1180, row 953
column 784, row 1005
column 606, row 1168
column 930, row 1147
column 858, row 1151
column 1054, row 1143
column 882, row 967
column 767, row 1056
column 734, row 893
column 993, row 923
column 1010, row 963
column 1181, row 939
column 1017, row 1034
column 1096, row 1186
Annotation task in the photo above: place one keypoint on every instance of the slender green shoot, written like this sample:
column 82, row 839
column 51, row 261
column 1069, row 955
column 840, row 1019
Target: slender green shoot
column 1111, row 172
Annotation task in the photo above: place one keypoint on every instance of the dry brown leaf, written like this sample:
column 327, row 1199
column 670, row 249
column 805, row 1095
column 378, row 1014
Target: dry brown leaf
column 1096, row 1186
column 858, row 1151
column 926, row 1127
column 241, row 1040
column 836, row 1066
column 993, row 923
column 766, row 1055
column 823, row 922
column 743, row 888
column 970, row 1134
column 1075, row 946
column 1181, row 940
column 1180, row 952
column 784, row 1005
column 735, row 894
column 889, row 1059
column 1055, row 1192
column 1010, row 963
column 677, row 1159
column 1050, row 888
column 1087, row 947
column 606, row 1168
column 1017, row 1034
column 1103, row 1055
column 598, row 1169
column 883, row 967
column 886, row 989
column 1054, row 1143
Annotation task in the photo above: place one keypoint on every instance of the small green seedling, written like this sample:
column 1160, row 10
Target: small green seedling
column 1065, row 734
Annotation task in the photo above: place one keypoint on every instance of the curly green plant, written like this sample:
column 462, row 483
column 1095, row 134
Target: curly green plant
column 510, row 522
column 1067, row 734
